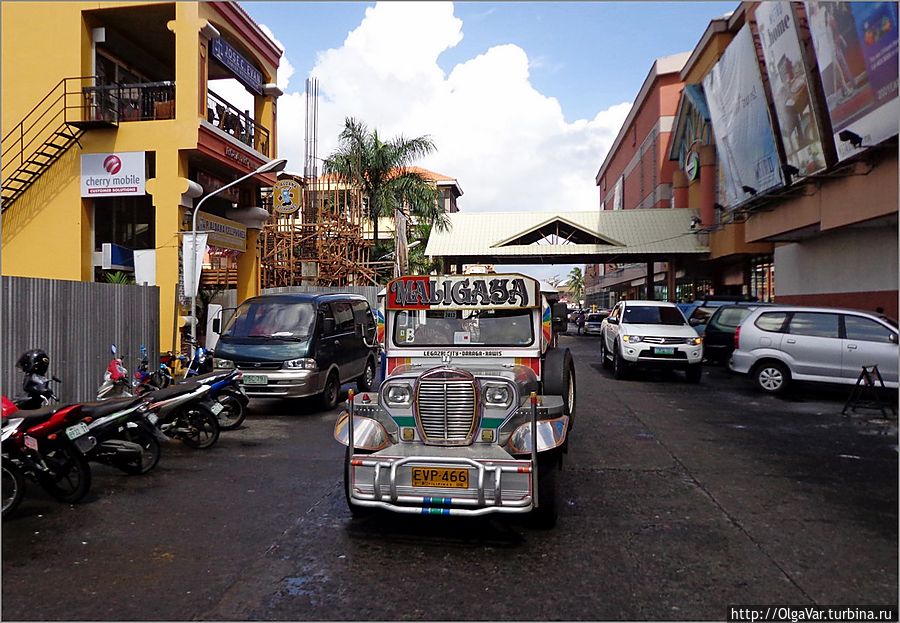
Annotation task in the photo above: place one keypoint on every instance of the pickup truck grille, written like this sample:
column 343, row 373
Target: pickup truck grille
column 447, row 407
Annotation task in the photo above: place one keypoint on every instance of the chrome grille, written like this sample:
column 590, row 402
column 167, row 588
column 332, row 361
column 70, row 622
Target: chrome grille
column 446, row 407
column 666, row 340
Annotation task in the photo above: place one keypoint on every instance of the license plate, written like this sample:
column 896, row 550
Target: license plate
column 255, row 379
column 664, row 351
column 31, row 442
column 457, row 478
column 74, row 432
column 216, row 408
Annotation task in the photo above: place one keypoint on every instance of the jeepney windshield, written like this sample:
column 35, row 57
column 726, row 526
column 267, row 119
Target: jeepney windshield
column 481, row 327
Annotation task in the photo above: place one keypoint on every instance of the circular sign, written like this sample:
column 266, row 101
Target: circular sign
column 286, row 197
column 692, row 166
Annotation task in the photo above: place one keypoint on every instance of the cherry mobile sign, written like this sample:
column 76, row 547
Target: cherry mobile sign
column 113, row 174
column 463, row 292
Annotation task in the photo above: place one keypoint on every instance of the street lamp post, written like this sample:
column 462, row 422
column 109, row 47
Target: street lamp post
column 268, row 167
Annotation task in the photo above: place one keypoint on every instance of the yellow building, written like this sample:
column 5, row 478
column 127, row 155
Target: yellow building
column 112, row 125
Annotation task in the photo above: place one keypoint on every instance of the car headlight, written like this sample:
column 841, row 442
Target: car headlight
column 301, row 364
column 223, row 364
column 695, row 341
column 398, row 395
column 631, row 339
column 497, row 395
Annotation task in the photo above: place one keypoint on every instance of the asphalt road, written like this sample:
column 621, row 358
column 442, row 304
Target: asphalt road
column 679, row 500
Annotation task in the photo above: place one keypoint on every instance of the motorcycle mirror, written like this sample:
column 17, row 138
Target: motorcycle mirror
column 56, row 379
column 113, row 349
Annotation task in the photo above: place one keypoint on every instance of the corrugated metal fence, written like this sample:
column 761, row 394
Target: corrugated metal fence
column 75, row 322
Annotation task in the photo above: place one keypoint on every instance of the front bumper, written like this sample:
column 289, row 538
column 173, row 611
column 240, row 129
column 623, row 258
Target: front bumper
column 498, row 483
column 282, row 383
column 642, row 354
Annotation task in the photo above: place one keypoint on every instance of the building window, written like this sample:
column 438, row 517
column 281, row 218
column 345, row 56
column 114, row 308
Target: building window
column 126, row 221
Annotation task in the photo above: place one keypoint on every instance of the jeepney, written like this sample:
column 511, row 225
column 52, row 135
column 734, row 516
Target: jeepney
column 474, row 376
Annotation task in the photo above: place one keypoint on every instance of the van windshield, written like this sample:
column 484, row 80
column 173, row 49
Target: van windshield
column 271, row 319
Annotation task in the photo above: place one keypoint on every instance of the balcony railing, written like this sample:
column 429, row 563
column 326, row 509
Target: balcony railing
column 143, row 101
column 240, row 125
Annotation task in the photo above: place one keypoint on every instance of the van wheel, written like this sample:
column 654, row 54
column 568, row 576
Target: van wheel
column 329, row 396
column 772, row 377
column 364, row 383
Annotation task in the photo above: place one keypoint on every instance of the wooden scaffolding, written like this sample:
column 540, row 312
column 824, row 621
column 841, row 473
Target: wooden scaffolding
column 322, row 244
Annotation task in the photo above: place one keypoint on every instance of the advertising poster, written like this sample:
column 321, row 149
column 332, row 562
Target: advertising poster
column 856, row 50
column 740, row 119
column 120, row 174
column 791, row 92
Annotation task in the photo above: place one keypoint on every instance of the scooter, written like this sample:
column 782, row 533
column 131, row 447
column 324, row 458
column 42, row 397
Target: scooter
column 184, row 412
column 115, row 379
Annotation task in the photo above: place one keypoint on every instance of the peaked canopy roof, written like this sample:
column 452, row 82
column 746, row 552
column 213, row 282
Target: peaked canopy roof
column 566, row 238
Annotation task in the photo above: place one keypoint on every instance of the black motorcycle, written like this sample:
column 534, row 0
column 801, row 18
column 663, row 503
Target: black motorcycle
column 123, row 438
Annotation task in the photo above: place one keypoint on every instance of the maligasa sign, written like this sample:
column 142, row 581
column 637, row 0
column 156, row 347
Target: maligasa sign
column 462, row 292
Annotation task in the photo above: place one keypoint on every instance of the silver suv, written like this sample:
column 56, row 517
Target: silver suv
column 777, row 345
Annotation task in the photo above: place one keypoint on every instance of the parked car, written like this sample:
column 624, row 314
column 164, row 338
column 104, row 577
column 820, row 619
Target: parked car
column 779, row 345
column 593, row 322
column 698, row 313
column 718, row 336
column 294, row 345
column 650, row 334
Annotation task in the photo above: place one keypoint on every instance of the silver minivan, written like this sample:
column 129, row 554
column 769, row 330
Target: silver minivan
column 777, row 345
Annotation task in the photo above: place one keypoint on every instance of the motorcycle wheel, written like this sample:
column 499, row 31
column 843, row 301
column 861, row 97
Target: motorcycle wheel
column 70, row 477
column 149, row 454
column 13, row 486
column 203, row 426
column 233, row 413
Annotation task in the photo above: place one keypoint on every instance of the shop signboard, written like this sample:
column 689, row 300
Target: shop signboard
column 789, row 80
column 223, row 233
column 740, row 118
column 211, row 183
column 286, row 197
column 235, row 62
column 856, row 50
column 117, row 174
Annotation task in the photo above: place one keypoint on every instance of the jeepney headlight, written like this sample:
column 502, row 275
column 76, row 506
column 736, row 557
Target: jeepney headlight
column 632, row 339
column 301, row 364
column 497, row 395
column 223, row 364
column 398, row 395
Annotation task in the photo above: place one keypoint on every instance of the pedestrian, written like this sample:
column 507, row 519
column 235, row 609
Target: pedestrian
column 580, row 321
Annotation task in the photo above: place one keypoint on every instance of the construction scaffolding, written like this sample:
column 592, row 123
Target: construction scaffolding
column 321, row 244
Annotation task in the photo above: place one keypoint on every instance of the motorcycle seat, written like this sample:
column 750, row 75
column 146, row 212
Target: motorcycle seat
column 106, row 407
column 171, row 392
column 33, row 417
column 208, row 378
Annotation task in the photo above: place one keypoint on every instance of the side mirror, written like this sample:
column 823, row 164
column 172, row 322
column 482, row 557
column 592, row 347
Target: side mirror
column 694, row 322
column 559, row 312
column 612, row 320
column 217, row 325
column 893, row 338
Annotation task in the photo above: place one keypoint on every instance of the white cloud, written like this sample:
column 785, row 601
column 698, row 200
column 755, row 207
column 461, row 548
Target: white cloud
column 285, row 69
column 507, row 144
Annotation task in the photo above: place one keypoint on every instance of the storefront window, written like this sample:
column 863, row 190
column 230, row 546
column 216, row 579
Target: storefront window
column 762, row 279
column 126, row 221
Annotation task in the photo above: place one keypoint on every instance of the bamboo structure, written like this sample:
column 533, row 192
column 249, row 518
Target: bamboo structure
column 322, row 244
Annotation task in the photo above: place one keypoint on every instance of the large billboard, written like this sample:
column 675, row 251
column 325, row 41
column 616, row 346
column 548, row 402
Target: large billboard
column 791, row 93
column 743, row 131
column 856, row 49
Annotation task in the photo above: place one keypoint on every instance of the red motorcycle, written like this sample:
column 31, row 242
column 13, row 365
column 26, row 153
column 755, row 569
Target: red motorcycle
column 46, row 445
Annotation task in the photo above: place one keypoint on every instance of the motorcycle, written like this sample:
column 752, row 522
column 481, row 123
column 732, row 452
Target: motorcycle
column 123, row 438
column 47, row 446
column 115, row 379
column 184, row 412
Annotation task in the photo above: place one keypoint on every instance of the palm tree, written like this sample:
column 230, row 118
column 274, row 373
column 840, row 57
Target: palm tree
column 380, row 169
column 576, row 283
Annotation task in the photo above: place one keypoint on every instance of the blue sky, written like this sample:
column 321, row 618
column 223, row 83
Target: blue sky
column 522, row 99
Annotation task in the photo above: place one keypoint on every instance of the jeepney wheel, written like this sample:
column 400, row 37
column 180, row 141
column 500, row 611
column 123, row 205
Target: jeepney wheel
column 358, row 512
column 546, row 514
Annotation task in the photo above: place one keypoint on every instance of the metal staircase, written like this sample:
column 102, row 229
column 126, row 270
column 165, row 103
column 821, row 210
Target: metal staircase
column 50, row 129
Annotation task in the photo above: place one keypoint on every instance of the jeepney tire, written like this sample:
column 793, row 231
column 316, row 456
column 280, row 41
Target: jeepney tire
column 546, row 514
column 559, row 379
column 328, row 399
column 358, row 512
